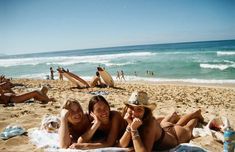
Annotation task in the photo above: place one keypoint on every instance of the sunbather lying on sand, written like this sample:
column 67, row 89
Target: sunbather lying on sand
column 144, row 133
column 8, row 96
column 95, row 82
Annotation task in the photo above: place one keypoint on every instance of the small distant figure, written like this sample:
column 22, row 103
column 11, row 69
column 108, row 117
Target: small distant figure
column 147, row 72
column 135, row 73
column 52, row 73
column 60, row 73
column 118, row 76
column 122, row 75
column 47, row 77
column 152, row 73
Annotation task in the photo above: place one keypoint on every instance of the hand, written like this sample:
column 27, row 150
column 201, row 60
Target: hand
column 128, row 118
column 64, row 113
column 96, row 121
column 136, row 123
column 75, row 146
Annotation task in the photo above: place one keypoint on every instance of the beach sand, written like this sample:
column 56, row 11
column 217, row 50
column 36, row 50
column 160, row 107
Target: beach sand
column 213, row 100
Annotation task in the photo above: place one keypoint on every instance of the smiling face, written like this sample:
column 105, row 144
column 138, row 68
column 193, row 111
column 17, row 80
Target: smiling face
column 101, row 110
column 75, row 113
column 136, row 112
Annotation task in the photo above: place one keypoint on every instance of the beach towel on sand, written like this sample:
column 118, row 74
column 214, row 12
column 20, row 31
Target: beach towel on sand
column 214, row 128
column 11, row 131
column 99, row 93
column 48, row 139
column 50, row 143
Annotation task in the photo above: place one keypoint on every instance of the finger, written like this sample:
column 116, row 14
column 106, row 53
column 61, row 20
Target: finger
column 93, row 115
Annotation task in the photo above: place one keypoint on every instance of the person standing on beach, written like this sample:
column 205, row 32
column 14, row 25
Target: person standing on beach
column 122, row 75
column 118, row 75
column 60, row 73
column 52, row 73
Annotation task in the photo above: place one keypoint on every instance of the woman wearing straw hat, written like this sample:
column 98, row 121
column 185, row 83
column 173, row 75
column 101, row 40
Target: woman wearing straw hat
column 145, row 133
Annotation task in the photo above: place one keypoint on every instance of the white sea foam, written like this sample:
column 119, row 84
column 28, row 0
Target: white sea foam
column 118, row 64
column 69, row 60
column 217, row 66
column 220, row 53
column 193, row 80
column 227, row 61
column 36, row 76
column 137, row 78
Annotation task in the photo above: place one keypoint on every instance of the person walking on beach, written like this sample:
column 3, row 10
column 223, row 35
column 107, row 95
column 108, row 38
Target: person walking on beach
column 52, row 73
column 122, row 76
column 60, row 73
column 118, row 76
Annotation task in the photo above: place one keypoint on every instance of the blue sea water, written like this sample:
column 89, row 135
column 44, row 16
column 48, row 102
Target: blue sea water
column 198, row 62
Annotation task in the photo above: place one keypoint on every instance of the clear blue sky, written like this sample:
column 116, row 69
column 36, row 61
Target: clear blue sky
column 28, row 26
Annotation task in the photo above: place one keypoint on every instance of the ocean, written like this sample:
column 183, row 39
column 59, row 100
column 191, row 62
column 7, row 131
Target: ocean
column 196, row 62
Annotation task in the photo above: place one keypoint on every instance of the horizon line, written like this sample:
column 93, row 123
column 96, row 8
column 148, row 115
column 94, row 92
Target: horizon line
column 181, row 42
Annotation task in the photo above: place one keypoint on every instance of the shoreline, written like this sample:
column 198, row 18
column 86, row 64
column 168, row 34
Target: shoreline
column 180, row 83
column 169, row 97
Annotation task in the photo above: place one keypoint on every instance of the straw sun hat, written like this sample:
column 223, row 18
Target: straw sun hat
column 140, row 98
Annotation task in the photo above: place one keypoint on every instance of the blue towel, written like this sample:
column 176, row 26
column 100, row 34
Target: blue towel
column 11, row 131
column 99, row 93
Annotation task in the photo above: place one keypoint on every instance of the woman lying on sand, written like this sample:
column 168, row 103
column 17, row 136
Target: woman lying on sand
column 107, row 126
column 8, row 96
column 74, row 123
column 147, row 134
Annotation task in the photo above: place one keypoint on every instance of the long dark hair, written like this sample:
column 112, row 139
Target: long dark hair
column 94, row 100
column 147, row 113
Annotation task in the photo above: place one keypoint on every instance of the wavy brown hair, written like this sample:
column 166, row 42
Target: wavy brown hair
column 67, row 104
column 94, row 100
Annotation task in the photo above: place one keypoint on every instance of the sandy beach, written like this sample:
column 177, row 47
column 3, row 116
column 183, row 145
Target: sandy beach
column 213, row 100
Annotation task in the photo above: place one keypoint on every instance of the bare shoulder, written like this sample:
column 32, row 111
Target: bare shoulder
column 115, row 115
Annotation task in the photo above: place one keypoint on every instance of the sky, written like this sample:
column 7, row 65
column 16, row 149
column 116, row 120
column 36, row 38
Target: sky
column 31, row 26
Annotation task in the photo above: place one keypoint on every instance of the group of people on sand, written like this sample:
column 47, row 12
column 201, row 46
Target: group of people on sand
column 136, row 128
column 8, row 96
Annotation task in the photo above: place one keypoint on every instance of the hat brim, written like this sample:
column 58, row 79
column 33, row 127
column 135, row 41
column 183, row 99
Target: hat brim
column 150, row 106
